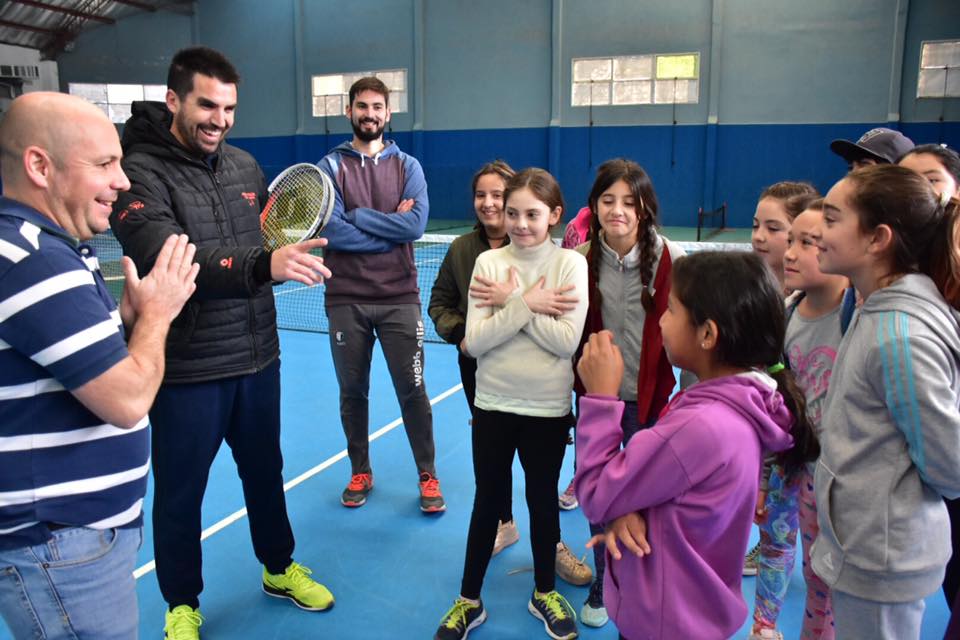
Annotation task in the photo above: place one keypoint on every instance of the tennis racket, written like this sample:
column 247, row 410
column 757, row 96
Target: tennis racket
column 299, row 206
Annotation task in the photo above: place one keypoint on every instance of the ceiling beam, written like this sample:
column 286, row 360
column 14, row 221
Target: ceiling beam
column 17, row 44
column 26, row 27
column 72, row 12
column 139, row 5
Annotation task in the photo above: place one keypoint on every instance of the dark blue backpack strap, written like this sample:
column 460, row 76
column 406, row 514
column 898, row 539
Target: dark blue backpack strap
column 847, row 307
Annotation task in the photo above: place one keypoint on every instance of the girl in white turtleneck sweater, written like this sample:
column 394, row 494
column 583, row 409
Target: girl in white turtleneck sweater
column 527, row 308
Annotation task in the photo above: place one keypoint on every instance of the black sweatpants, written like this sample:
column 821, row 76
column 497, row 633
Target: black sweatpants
column 189, row 422
column 540, row 443
column 353, row 329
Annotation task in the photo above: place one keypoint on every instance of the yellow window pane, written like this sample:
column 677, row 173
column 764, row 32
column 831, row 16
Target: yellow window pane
column 683, row 66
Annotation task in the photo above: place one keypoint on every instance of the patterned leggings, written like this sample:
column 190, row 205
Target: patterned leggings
column 790, row 506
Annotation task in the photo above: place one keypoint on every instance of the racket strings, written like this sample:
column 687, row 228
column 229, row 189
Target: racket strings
column 293, row 209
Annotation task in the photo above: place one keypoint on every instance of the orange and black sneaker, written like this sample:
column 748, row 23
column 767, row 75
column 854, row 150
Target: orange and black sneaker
column 431, row 500
column 355, row 495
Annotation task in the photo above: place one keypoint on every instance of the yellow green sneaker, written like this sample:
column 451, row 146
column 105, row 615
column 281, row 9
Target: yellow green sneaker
column 296, row 584
column 183, row 623
column 462, row 618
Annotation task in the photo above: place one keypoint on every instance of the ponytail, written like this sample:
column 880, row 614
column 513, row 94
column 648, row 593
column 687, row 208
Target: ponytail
column 926, row 234
column 738, row 292
column 805, row 446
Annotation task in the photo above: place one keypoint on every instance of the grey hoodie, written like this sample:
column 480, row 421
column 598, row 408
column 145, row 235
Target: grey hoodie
column 890, row 447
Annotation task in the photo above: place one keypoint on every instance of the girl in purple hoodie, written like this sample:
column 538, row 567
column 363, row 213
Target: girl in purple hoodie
column 681, row 495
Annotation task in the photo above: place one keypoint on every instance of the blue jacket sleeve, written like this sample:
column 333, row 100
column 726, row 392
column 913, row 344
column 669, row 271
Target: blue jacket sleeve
column 341, row 233
column 399, row 227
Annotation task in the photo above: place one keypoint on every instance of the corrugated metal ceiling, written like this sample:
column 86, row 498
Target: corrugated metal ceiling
column 51, row 25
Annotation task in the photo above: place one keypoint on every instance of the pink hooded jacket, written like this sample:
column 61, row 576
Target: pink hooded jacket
column 577, row 230
column 694, row 477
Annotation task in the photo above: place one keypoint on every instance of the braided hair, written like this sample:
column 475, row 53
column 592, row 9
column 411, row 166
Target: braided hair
column 647, row 208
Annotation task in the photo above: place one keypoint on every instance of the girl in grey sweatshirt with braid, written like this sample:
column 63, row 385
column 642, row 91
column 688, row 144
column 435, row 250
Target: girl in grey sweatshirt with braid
column 890, row 437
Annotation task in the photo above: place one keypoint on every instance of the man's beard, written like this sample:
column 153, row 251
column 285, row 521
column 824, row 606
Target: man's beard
column 366, row 136
column 183, row 128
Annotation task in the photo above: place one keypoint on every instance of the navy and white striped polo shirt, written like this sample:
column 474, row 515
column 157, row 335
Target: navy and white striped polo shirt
column 59, row 329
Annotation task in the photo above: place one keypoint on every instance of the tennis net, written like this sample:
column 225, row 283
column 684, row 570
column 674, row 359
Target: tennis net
column 301, row 308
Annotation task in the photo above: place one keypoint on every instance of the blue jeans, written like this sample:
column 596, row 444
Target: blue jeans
column 78, row 585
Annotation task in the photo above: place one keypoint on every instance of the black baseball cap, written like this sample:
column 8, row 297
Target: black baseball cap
column 883, row 145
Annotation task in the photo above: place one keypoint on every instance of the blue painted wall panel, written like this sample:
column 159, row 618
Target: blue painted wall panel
column 258, row 38
column 749, row 158
column 785, row 61
column 486, row 64
column 450, row 158
column 126, row 52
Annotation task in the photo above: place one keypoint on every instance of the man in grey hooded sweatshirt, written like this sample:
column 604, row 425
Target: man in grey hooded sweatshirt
column 381, row 208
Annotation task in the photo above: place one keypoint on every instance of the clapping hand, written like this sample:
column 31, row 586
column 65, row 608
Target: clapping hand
column 167, row 287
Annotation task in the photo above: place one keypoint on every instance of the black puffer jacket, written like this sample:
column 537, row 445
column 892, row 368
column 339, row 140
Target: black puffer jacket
column 228, row 327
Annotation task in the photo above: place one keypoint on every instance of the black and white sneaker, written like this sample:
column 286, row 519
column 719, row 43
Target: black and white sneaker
column 557, row 615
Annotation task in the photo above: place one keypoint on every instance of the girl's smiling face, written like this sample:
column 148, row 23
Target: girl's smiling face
column 769, row 238
column 528, row 219
column 488, row 203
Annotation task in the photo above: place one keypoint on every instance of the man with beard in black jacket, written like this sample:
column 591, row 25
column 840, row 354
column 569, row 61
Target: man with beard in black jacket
column 223, row 370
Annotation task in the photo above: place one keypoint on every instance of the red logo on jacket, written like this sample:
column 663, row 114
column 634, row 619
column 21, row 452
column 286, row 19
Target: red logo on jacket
column 136, row 205
column 227, row 263
column 250, row 197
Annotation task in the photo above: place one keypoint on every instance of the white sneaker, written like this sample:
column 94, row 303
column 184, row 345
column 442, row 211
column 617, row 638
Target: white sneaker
column 507, row 534
column 766, row 634
column 593, row 613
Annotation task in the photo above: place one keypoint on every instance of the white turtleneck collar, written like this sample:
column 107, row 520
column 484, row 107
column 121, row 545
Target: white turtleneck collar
column 532, row 254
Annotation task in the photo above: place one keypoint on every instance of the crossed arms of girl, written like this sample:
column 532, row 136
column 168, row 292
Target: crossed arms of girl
column 552, row 317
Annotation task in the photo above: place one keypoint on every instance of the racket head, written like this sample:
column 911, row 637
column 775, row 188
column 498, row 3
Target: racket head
column 298, row 207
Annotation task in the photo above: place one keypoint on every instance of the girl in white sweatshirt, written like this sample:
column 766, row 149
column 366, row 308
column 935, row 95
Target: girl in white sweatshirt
column 527, row 307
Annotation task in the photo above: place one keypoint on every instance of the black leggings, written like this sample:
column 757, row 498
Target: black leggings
column 468, row 376
column 540, row 443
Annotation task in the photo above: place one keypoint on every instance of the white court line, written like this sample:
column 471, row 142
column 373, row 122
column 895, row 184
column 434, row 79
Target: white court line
column 306, row 475
column 283, row 293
